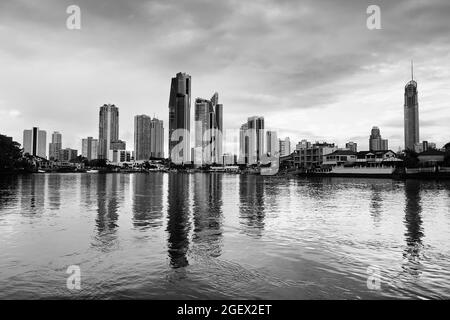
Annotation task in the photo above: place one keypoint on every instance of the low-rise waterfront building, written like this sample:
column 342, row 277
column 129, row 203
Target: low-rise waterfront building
column 309, row 156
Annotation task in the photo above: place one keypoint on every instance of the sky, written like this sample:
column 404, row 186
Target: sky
column 312, row 68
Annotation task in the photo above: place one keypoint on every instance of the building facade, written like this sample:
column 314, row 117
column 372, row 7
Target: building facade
column 34, row 142
column 108, row 129
column 55, row 146
column 89, row 148
column 180, row 118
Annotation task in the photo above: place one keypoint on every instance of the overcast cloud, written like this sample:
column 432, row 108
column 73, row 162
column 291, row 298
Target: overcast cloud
column 311, row 68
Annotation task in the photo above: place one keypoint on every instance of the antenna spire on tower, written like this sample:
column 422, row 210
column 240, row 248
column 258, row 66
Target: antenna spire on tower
column 412, row 70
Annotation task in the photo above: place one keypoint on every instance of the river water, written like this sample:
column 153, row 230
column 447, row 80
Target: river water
column 223, row 236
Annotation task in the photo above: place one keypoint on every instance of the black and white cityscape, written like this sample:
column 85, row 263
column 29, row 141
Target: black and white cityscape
column 206, row 150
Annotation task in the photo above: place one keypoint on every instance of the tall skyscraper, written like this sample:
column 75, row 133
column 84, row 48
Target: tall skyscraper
column 55, row 146
column 142, row 137
column 272, row 143
column 108, row 129
column 208, row 129
column 411, row 109
column 157, row 138
column 252, row 140
column 34, row 142
column 285, row 147
column 376, row 143
column 89, row 148
column 180, row 117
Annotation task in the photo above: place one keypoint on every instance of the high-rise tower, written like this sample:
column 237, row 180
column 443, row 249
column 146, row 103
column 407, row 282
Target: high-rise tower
column 411, row 108
column 142, row 137
column 55, row 146
column 108, row 131
column 34, row 142
column 208, row 128
column 180, row 118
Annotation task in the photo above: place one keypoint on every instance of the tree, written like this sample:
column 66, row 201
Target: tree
column 10, row 154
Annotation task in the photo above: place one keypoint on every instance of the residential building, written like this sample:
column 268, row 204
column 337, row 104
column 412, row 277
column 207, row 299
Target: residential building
column 309, row 155
column 208, row 130
column 89, row 148
column 272, row 144
column 251, row 140
column 156, row 138
column 67, row 154
column 179, row 118
column 142, row 137
column 34, row 142
column 285, row 147
column 108, row 129
column 376, row 143
column 55, row 146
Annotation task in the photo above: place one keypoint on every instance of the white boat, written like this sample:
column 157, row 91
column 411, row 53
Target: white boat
column 92, row 171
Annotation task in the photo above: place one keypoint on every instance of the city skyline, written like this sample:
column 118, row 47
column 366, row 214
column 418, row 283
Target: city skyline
column 301, row 92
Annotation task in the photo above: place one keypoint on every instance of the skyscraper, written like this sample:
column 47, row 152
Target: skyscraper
column 411, row 109
column 55, row 146
column 252, row 140
column 272, row 143
column 376, row 143
column 108, row 129
column 285, row 147
column 208, row 129
column 157, row 138
column 34, row 142
column 142, row 137
column 89, row 148
column 180, row 118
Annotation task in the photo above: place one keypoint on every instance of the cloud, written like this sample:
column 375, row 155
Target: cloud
column 311, row 68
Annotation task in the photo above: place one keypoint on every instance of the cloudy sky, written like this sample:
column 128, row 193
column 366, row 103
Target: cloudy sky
column 312, row 68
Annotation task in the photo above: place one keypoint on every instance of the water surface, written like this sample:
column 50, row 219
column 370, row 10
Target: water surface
column 189, row 236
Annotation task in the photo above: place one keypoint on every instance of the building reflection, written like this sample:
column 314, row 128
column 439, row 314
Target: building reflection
column 88, row 186
column 178, row 224
column 251, row 196
column 54, row 194
column 9, row 185
column 32, row 191
column 376, row 202
column 207, row 212
column 108, row 199
column 148, row 200
column 413, row 224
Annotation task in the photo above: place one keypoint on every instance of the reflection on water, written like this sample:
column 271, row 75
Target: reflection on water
column 251, row 197
column 414, row 230
column 208, row 219
column 178, row 224
column 148, row 201
column 214, row 235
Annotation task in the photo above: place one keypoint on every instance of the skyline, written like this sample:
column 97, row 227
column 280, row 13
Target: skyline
column 311, row 90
